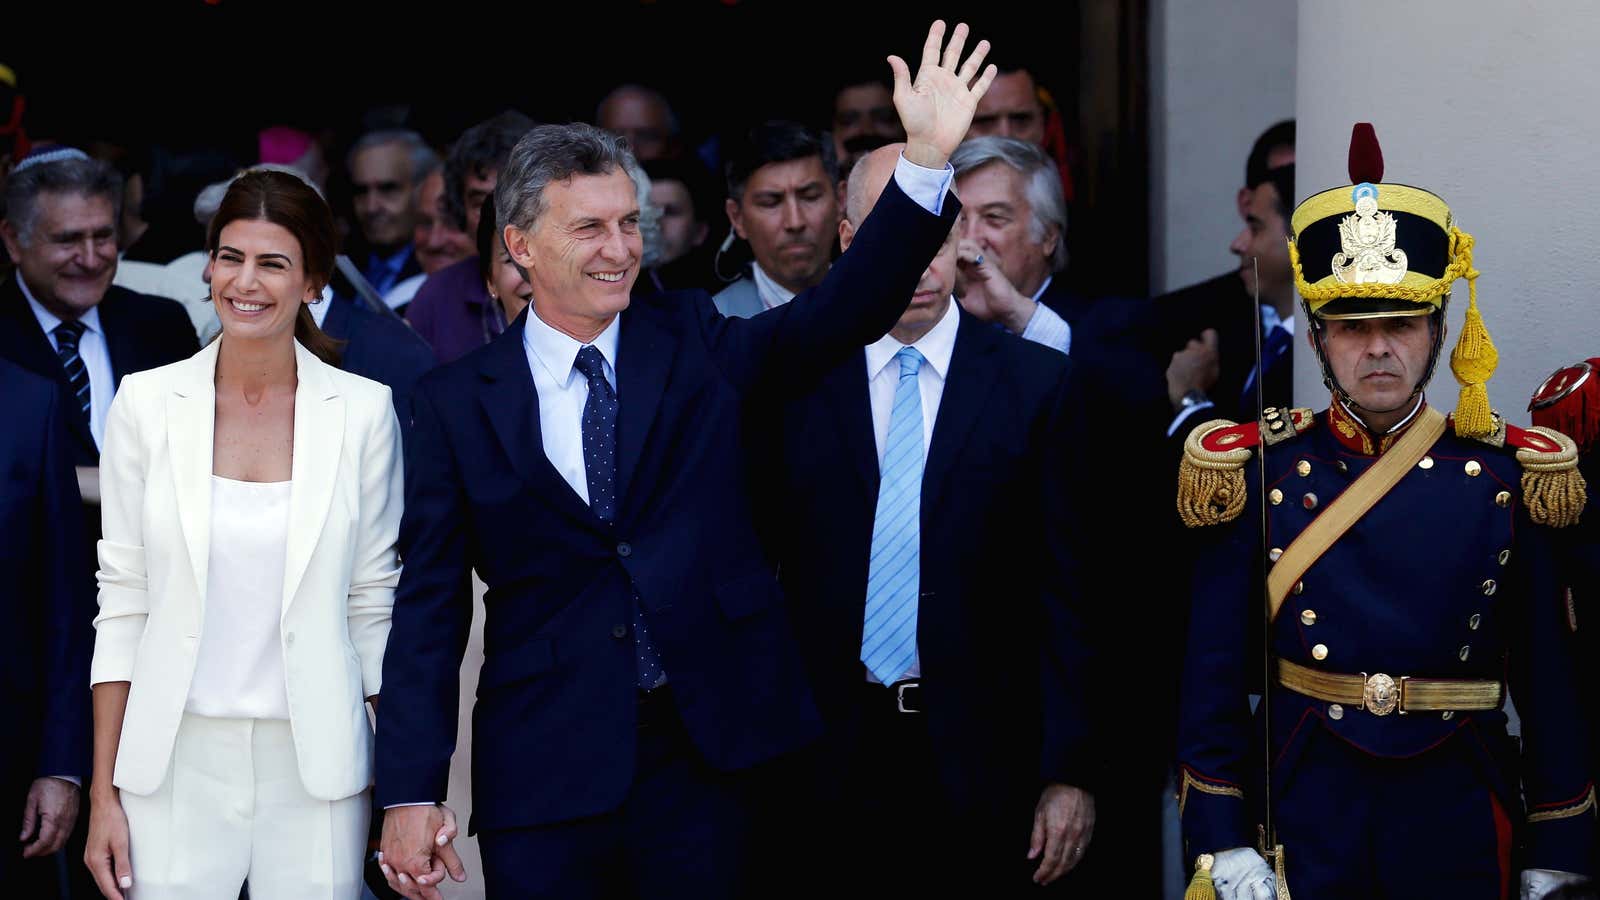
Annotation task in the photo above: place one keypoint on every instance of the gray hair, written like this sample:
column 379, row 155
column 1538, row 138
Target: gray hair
column 423, row 159
column 84, row 177
column 649, row 214
column 555, row 153
column 1042, row 183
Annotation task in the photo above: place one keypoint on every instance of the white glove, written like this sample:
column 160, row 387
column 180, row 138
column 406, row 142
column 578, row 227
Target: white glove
column 1539, row 883
column 1241, row 874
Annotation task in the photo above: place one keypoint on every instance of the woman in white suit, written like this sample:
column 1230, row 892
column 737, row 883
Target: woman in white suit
column 251, row 503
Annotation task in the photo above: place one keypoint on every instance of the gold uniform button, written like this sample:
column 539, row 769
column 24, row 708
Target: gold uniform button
column 1277, row 425
column 1474, row 622
column 1489, row 588
column 1343, row 469
column 1320, row 652
column 1270, row 412
column 1303, row 467
column 1504, row 557
column 1446, row 715
column 1274, row 553
column 1466, row 651
column 1308, row 617
column 1276, row 496
column 1299, row 587
column 1473, row 468
column 1425, row 463
column 1335, row 711
column 1502, row 499
column 1309, row 501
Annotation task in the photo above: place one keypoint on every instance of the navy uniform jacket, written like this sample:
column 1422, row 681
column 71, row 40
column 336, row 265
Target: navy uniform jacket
column 1001, row 638
column 46, row 592
column 142, row 332
column 554, row 726
column 1446, row 577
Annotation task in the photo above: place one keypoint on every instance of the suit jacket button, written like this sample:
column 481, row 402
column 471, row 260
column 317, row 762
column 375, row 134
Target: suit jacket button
column 624, row 550
column 619, row 631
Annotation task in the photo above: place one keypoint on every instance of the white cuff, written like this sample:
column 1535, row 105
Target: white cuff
column 1047, row 327
column 926, row 187
column 1183, row 417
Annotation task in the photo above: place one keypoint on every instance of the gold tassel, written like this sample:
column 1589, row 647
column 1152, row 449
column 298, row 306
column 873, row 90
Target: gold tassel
column 1552, row 487
column 1200, row 887
column 1211, row 485
column 1474, row 358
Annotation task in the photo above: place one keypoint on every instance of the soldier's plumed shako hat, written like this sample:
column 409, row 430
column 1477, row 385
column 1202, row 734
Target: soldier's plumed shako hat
column 1374, row 249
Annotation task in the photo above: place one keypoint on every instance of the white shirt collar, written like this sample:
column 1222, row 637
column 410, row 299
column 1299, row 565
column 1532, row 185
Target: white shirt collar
column 1043, row 287
column 773, row 294
column 557, row 351
column 936, row 346
column 1270, row 319
column 49, row 320
column 319, row 311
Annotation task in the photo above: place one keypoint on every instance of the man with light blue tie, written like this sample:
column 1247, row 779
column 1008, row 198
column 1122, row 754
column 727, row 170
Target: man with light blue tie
column 933, row 554
column 589, row 465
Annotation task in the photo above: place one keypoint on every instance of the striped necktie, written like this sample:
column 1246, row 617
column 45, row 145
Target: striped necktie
column 67, row 336
column 889, row 634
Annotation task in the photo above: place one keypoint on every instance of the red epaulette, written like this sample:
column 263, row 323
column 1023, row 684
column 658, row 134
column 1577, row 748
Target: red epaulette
column 1523, row 439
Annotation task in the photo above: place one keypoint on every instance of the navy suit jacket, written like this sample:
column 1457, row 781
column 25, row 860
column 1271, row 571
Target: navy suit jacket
column 1000, row 632
column 47, row 594
column 142, row 332
column 382, row 348
column 554, row 724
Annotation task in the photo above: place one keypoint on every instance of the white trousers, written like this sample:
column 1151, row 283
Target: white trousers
column 232, row 809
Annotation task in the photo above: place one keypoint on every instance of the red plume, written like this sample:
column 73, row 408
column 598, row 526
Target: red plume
column 1569, row 402
column 1366, row 157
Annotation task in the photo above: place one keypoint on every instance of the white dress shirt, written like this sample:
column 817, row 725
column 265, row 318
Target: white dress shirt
column 563, row 391
column 238, row 670
column 319, row 310
column 772, row 294
column 94, row 352
column 936, row 348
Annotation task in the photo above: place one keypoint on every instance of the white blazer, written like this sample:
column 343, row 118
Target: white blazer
column 340, row 568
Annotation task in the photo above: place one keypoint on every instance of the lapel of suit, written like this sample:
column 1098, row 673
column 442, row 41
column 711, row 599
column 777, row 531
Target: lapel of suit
column 847, row 394
column 319, row 412
column 122, row 336
column 644, row 362
column 511, row 403
column 966, row 389
column 191, row 424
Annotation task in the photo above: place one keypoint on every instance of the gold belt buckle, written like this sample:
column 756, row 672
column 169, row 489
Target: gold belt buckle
column 1381, row 694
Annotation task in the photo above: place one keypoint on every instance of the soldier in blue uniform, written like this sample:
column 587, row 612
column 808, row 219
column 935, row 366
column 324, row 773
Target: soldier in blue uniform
column 1409, row 586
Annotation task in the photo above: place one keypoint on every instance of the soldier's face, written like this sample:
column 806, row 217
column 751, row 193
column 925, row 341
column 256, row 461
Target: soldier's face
column 1379, row 362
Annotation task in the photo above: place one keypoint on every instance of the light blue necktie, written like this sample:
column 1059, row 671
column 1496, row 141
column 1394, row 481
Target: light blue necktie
column 889, row 635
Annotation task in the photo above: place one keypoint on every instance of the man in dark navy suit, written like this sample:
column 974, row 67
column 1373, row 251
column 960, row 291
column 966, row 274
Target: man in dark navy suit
column 932, row 553
column 588, row 464
column 60, row 316
column 378, row 345
column 47, row 599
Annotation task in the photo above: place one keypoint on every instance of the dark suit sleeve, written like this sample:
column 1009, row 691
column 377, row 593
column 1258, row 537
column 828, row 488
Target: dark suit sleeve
column 1068, row 754
column 432, row 616
column 1544, row 680
column 865, row 293
column 68, row 582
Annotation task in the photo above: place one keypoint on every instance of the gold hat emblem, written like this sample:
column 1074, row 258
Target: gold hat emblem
column 1366, row 240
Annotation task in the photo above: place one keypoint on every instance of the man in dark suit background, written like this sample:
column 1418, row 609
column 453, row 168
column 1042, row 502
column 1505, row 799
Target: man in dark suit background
column 60, row 316
column 379, row 346
column 47, row 599
column 636, row 648
column 937, row 597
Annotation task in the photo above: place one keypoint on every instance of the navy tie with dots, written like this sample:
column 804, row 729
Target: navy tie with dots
column 600, row 468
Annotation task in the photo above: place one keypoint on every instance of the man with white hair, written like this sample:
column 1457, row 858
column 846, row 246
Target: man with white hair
column 936, row 578
column 385, row 168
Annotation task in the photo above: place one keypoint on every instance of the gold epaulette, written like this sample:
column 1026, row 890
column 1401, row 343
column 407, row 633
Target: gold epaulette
column 1553, row 489
column 1211, row 483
